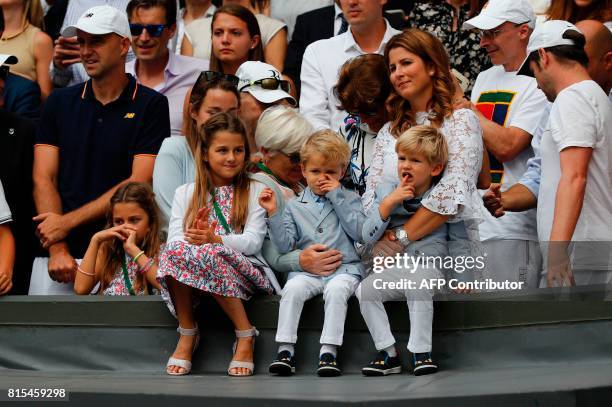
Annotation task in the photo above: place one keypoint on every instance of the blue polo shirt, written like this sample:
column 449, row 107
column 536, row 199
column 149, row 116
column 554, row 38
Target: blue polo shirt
column 97, row 143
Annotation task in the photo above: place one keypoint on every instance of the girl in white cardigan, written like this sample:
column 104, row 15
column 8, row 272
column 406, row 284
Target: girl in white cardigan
column 215, row 224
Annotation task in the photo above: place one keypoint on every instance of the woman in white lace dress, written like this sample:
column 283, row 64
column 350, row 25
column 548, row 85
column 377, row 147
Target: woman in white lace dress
column 422, row 93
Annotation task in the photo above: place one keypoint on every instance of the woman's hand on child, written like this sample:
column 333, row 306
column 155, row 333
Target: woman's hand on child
column 267, row 200
column 328, row 184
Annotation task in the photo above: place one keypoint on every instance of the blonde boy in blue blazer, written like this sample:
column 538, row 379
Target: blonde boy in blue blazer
column 328, row 214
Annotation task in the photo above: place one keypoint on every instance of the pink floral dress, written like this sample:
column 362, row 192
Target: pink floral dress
column 211, row 267
column 117, row 285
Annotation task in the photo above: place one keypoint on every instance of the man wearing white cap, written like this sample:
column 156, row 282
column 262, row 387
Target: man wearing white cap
column 260, row 86
column 509, row 108
column 575, row 195
column 92, row 138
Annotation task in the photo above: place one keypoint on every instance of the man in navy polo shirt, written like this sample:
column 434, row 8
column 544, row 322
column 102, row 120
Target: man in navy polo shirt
column 92, row 138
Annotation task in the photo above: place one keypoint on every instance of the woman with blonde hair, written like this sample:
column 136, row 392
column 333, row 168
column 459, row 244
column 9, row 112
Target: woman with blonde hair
column 423, row 91
column 23, row 38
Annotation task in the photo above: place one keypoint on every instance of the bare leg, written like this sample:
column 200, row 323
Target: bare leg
column 234, row 309
column 181, row 295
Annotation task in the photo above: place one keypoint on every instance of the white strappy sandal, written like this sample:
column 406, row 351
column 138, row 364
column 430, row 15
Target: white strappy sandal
column 185, row 364
column 238, row 363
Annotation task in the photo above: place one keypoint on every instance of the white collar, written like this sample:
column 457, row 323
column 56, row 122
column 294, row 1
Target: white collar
column 350, row 43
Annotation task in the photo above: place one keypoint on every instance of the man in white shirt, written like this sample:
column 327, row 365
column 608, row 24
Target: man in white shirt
column 153, row 25
column 369, row 33
column 509, row 108
column 575, row 195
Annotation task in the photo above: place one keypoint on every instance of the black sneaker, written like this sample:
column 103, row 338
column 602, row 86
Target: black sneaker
column 383, row 365
column 328, row 366
column 283, row 365
column 423, row 364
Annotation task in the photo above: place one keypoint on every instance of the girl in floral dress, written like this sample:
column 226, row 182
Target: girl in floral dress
column 122, row 258
column 215, row 225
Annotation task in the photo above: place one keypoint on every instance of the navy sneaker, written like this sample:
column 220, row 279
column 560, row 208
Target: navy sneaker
column 423, row 364
column 383, row 365
column 328, row 366
column 283, row 365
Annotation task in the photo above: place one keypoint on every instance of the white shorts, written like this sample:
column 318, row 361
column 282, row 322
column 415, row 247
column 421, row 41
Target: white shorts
column 42, row 284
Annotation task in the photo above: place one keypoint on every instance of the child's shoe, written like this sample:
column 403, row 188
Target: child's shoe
column 423, row 364
column 328, row 366
column 283, row 365
column 383, row 365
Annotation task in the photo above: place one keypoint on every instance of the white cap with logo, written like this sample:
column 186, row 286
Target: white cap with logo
column 101, row 20
column 8, row 59
column 497, row 12
column 252, row 71
column 547, row 34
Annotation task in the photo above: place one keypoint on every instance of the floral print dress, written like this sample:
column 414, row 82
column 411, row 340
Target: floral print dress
column 117, row 285
column 211, row 268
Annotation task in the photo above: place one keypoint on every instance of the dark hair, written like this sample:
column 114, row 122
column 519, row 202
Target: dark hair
column 566, row 53
column 168, row 5
column 363, row 84
column 1, row 21
column 244, row 14
column 198, row 94
column 112, row 252
column 567, row 10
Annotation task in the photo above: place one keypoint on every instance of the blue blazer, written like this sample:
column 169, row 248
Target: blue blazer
column 433, row 244
column 338, row 226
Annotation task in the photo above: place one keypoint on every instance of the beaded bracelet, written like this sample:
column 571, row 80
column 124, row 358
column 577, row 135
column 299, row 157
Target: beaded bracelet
column 138, row 255
column 145, row 269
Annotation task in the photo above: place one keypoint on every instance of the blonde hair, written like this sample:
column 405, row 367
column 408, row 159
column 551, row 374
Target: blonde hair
column 429, row 48
column 203, row 180
column 329, row 144
column 33, row 13
column 426, row 140
column 282, row 128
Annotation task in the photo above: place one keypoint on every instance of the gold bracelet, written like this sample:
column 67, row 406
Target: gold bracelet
column 84, row 272
column 138, row 255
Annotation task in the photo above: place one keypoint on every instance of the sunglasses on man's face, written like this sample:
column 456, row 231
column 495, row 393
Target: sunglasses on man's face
column 368, row 114
column 154, row 30
column 211, row 76
column 269, row 84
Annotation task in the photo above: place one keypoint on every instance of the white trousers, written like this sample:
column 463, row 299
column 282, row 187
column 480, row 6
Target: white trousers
column 420, row 307
column 42, row 284
column 514, row 261
column 336, row 292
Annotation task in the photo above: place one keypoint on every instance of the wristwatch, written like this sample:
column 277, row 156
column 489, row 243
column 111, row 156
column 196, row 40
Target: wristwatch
column 402, row 236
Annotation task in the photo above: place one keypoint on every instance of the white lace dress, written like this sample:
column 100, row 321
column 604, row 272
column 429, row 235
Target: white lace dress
column 456, row 193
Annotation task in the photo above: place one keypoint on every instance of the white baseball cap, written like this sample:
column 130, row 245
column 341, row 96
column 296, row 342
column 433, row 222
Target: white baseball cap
column 8, row 59
column 497, row 12
column 252, row 71
column 547, row 34
column 101, row 20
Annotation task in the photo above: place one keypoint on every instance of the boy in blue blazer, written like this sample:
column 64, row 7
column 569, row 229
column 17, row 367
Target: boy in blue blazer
column 422, row 154
column 328, row 214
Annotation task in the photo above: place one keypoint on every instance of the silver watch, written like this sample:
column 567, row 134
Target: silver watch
column 402, row 236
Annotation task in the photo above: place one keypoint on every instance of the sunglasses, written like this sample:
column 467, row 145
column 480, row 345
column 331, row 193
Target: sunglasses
column 364, row 114
column 294, row 158
column 154, row 30
column 211, row 76
column 269, row 84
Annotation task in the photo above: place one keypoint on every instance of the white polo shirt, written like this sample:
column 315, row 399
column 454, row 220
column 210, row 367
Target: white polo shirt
column 5, row 212
column 320, row 68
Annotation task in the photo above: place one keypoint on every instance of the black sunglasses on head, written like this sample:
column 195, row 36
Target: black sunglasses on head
column 211, row 76
column 154, row 30
column 269, row 84
column 294, row 158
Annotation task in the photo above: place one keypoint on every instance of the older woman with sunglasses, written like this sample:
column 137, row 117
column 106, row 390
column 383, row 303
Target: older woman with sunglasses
column 174, row 166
